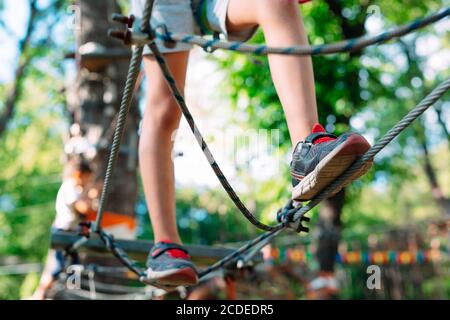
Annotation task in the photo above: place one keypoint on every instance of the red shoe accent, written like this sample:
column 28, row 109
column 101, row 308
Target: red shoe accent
column 318, row 128
column 176, row 253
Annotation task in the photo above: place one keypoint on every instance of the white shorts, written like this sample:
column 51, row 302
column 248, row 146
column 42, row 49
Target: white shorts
column 189, row 17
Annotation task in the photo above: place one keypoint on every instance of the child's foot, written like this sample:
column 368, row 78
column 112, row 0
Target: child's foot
column 321, row 158
column 169, row 266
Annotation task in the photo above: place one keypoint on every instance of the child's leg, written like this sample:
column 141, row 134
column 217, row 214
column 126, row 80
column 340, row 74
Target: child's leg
column 168, row 264
column 161, row 119
column 315, row 164
column 292, row 75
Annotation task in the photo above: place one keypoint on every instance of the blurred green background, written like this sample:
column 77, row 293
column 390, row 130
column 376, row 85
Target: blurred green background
column 365, row 91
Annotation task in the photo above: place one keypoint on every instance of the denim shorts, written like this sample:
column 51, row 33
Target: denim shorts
column 190, row 17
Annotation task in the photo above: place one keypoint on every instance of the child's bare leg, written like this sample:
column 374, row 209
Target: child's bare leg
column 294, row 80
column 161, row 119
column 292, row 75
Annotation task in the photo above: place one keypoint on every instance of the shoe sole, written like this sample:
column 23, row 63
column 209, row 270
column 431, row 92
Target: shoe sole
column 332, row 166
column 172, row 278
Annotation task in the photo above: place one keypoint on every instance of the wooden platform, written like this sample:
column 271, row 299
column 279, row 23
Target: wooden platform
column 138, row 249
column 104, row 277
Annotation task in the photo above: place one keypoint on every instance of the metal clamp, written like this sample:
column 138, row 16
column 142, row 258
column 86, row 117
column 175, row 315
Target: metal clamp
column 129, row 35
column 286, row 215
column 128, row 21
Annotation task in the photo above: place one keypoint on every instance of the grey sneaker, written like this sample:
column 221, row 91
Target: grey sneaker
column 169, row 265
column 321, row 158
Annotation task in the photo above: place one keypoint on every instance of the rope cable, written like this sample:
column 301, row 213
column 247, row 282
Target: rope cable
column 338, row 47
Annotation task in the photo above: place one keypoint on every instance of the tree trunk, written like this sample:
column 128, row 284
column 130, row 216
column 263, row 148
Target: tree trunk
column 94, row 100
column 438, row 194
column 329, row 231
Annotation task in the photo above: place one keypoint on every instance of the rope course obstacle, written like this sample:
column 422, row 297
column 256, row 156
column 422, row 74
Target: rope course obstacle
column 292, row 215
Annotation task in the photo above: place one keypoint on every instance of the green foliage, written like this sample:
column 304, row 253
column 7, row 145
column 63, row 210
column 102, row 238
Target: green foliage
column 30, row 157
column 30, row 153
column 437, row 287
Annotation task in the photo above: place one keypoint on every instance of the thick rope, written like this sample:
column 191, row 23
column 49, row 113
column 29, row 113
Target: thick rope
column 146, row 15
column 133, row 72
column 342, row 46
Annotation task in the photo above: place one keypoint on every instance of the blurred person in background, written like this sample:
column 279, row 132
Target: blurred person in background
column 72, row 206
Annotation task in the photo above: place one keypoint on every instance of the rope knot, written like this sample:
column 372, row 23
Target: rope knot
column 167, row 39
